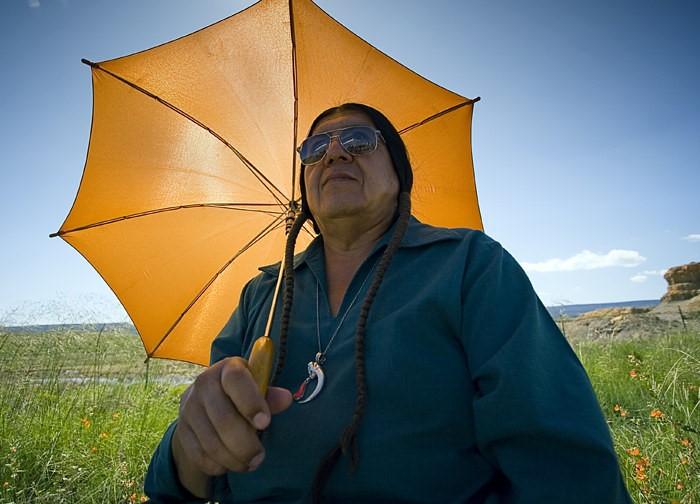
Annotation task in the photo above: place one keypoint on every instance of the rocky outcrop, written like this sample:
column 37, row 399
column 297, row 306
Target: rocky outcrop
column 679, row 310
column 683, row 282
column 617, row 324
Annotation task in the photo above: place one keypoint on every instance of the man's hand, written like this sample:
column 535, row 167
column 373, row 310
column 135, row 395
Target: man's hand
column 220, row 414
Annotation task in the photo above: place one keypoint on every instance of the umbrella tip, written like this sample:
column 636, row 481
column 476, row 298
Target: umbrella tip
column 478, row 98
column 54, row 235
column 88, row 62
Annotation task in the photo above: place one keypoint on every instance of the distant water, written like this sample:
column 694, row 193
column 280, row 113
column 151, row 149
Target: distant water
column 577, row 309
column 555, row 311
column 92, row 327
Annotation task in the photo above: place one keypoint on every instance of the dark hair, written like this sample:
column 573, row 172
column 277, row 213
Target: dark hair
column 394, row 144
column 402, row 166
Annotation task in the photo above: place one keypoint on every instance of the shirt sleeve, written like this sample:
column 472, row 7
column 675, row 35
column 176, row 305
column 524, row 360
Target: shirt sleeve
column 162, row 484
column 537, row 419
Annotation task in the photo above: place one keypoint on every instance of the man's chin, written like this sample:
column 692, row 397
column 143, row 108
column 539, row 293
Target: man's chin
column 343, row 204
column 344, row 213
column 346, row 210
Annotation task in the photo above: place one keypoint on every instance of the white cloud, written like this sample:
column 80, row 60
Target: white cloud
column 642, row 277
column 34, row 3
column 692, row 238
column 587, row 260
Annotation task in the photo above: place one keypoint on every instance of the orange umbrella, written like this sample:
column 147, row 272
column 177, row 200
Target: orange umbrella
column 192, row 171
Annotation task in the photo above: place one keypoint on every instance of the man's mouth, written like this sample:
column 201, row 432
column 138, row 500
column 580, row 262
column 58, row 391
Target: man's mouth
column 339, row 177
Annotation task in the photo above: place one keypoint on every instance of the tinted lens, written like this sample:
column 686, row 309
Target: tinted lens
column 358, row 140
column 313, row 148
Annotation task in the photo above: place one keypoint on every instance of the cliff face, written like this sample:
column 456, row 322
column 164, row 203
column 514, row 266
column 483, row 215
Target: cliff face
column 683, row 282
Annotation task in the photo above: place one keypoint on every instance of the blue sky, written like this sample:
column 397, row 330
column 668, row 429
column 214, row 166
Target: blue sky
column 586, row 140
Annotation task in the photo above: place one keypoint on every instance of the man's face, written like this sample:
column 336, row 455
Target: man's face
column 342, row 185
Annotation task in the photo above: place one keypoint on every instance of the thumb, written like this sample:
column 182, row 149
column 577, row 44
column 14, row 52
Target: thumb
column 279, row 399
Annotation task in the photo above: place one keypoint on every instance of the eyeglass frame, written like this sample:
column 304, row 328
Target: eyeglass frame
column 377, row 135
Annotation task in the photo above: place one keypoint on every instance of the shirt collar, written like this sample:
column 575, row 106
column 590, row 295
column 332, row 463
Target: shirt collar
column 417, row 235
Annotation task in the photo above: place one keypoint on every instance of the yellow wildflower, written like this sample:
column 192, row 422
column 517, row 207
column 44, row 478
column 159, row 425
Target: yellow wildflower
column 656, row 413
column 633, row 373
column 86, row 422
column 640, row 471
column 620, row 410
column 686, row 442
column 104, row 435
column 633, row 451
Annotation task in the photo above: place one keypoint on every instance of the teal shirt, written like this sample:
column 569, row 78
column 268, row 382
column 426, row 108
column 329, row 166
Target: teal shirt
column 473, row 394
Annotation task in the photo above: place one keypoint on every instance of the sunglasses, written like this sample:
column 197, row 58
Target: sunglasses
column 355, row 140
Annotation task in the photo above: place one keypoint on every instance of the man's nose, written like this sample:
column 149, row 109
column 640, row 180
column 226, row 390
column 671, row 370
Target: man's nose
column 336, row 152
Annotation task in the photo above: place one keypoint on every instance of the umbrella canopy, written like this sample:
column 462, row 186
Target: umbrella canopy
column 191, row 169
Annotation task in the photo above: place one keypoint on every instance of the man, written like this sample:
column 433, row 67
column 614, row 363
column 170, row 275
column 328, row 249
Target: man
column 424, row 367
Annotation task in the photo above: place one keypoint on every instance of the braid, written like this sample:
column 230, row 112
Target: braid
column 288, row 295
column 348, row 440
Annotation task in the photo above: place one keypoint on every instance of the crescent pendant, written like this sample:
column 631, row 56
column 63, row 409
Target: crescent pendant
column 315, row 373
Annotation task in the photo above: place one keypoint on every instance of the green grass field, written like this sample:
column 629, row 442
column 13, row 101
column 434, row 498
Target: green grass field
column 78, row 422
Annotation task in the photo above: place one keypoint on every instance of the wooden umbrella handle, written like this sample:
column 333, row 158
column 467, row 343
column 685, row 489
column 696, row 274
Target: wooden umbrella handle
column 260, row 363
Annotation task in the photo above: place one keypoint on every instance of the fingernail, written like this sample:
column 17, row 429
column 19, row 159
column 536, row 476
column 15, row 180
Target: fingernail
column 256, row 461
column 261, row 420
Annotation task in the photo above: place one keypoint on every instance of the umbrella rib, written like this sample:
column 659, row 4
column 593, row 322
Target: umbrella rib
column 439, row 114
column 225, row 206
column 296, row 95
column 308, row 232
column 275, row 224
column 267, row 183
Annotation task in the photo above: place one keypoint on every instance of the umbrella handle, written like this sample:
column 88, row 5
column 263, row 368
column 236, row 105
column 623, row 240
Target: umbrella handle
column 260, row 362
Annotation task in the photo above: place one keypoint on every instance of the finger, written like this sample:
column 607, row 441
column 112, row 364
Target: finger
column 185, row 396
column 234, row 431
column 278, row 399
column 240, row 387
column 213, row 447
column 193, row 449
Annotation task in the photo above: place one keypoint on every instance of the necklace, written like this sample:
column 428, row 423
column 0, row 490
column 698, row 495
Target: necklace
column 314, row 368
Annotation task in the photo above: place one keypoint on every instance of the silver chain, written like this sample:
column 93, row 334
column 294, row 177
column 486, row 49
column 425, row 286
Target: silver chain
column 321, row 355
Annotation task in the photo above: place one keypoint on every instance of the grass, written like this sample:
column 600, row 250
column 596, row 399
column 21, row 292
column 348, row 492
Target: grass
column 649, row 391
column 78, row 422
